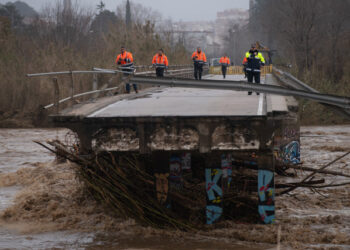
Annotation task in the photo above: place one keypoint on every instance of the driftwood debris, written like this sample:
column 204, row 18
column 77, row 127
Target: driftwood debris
column 330, row 172
column 315, row 171
column 128, row 188
column 127, row 184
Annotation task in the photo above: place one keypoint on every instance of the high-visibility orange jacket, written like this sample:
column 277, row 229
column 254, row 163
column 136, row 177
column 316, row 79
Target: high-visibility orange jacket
column 126, row 59
column 224, row 61
column 160, row 60
column 199, row 57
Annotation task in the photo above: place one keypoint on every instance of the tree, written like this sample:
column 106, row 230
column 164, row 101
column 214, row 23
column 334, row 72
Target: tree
column 101, row 6
column 9, row 10
column 128, row 14
column 104, row 21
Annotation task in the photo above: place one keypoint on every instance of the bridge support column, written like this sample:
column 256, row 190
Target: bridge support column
column 85, row 139
column 205, row 131
column 266, row 187
column 143, row 134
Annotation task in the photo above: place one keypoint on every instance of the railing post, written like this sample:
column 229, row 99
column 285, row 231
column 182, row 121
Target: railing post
column 72, row 87
column 94, row 81
column 56, row 95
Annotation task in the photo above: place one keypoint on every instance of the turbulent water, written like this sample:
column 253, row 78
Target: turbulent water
column 43, row 205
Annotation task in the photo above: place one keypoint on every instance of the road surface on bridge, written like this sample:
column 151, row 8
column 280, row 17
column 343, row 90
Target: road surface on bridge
column 194, row 102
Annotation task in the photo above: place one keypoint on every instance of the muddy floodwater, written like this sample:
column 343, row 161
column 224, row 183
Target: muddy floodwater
column 44, row 206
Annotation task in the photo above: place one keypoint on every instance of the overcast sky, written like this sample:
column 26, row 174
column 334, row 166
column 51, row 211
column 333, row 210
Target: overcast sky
column 186, row 10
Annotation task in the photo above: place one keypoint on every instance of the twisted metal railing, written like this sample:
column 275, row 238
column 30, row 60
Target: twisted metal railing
column 173, row 71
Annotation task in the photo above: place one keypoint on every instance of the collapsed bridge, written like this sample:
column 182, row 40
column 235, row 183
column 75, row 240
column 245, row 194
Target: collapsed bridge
column 209, row 132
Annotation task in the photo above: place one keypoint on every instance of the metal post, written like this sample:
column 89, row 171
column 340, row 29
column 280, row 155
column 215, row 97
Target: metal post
column 94, row 82
column 72, row 87
column 56, row 95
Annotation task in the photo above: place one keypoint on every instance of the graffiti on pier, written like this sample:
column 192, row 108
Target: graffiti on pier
column 266, row 190
column 290, row 133
column 162, row 187
column 214, row 194
column 213, row 214
column 186, row 162
column 291, row 153
column 175, row 176
column 226, row 166
column 287, row 146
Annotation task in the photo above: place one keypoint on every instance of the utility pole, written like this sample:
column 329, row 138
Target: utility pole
column 128, row 14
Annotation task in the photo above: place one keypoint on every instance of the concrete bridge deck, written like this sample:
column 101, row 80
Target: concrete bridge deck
column 189, row 119
column 182, row 102
column 175, row 125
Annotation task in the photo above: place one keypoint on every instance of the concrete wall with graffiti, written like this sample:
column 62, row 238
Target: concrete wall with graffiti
column 219, row 185
column 287, row 145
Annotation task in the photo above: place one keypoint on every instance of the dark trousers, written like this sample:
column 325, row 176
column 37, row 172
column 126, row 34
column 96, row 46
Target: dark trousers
column 198, row 70
column 126, row 79
column 160, row 72
column 223, row 70
column 250, row 76
column 255, row 75
column 127, row 86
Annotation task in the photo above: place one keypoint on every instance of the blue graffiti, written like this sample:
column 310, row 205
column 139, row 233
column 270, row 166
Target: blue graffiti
column 212, row 184
column 265, row 187
column 175, row 173
column 266, row 191
column 213, row 213
column 291, row 153
column 267, row 219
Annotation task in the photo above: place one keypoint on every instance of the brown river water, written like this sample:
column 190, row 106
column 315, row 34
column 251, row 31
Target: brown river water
column 43, row 205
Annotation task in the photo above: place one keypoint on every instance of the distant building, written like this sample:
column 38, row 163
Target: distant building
column 252, row 4
column 229, row 19
column 210, row 35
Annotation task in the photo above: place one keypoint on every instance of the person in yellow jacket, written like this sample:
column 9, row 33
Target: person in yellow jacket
column 252, row 62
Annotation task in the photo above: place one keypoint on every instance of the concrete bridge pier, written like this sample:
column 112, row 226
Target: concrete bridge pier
column 266, row 187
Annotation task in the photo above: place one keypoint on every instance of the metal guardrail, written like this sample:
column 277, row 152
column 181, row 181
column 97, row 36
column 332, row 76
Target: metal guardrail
column 186, row 71
column 343, row 102
column 294, row 83
column 79, row 95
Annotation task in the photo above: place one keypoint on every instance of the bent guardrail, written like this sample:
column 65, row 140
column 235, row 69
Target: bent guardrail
column 292, row 82
column 144, row 70
column 340, row 101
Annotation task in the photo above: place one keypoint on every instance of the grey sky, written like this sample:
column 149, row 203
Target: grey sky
column 186, row 10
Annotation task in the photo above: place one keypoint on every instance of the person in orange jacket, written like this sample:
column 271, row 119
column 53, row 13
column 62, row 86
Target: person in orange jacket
column 125, row 61
column 160, row 62
column 199, row 59
column 225, row 62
